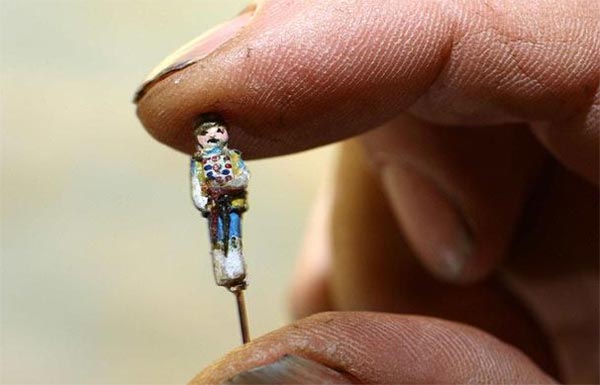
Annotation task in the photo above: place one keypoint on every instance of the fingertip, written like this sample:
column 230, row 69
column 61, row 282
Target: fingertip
column 384, row 348
column 289, row 81
column 305, row 74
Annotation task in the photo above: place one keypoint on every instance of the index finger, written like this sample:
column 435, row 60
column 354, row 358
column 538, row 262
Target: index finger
column 304, row 74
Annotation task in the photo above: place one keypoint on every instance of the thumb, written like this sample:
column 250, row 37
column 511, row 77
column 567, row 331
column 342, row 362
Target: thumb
column 374, row 348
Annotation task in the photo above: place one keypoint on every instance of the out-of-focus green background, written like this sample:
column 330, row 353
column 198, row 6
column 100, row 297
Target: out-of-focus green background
column 105, row 273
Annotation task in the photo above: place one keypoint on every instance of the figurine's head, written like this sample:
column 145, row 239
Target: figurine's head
column 211, row 133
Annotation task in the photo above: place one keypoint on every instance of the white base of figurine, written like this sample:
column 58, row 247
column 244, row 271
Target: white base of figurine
column 229, row 270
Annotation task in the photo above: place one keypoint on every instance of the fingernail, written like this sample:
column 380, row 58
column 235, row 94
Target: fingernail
column 197, row 49
column 433, row 221
column 291, row 370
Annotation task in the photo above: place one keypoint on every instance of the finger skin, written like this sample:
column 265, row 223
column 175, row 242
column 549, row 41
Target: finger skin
column 382, row 348
column 309, row 292
column 485, row 174
column 374, row 268
column 575, row 141
column 554, row 269
column 306, row 73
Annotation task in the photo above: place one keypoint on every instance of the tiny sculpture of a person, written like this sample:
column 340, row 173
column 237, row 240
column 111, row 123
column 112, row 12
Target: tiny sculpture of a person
column 219, row 180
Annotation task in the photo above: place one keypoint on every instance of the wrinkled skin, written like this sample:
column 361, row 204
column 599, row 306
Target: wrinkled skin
column 473, row 195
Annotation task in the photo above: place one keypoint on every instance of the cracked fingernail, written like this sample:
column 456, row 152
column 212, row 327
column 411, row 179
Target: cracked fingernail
column 291, row 369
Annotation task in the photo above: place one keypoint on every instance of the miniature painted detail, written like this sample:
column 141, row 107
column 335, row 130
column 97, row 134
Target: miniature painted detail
column 219, row 181
column 234, row 227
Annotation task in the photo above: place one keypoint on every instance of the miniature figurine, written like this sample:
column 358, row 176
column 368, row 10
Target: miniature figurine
column 219, row 180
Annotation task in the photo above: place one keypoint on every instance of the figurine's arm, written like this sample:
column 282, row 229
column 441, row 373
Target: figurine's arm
column 199, row 196
column 240, row 180
column 242, row 175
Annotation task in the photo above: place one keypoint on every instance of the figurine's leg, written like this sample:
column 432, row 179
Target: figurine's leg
column 230, row 269
column 215, row 232
column 220, row 232
column 215, row 229
column 234, row 247
column 235, row 235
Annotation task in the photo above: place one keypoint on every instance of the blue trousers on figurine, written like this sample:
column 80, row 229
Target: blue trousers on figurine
column 234, row 227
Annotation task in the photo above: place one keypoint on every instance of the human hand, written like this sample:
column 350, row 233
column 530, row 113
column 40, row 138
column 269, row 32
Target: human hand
column 483, row 167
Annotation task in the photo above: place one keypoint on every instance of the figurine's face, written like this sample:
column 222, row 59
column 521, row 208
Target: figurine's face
column 216, row 136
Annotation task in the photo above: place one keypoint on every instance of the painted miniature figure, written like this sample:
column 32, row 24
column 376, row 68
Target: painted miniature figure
column 219, row 180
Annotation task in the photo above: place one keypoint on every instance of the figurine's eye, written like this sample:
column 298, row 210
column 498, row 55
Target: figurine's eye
column 220, row 130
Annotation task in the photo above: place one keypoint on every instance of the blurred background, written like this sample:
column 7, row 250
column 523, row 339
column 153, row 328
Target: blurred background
column 105, row 273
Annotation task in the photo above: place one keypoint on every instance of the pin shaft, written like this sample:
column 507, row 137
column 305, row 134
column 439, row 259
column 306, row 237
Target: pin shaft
column 241, row 306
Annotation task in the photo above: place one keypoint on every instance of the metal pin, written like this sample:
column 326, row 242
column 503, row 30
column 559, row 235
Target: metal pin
column 238, row 291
